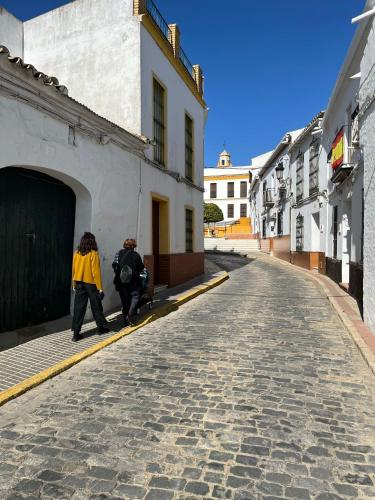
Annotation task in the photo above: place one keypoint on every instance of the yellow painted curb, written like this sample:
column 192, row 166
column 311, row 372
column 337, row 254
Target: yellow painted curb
column 54, row 370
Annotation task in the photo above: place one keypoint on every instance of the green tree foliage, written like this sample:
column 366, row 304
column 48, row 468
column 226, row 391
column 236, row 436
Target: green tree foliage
column 212, row 213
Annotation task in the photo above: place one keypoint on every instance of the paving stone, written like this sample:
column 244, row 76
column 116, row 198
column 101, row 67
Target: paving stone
column 269, row 400
column 197, row 487
column 155, row 494
column 167, row 483
column 130, row 491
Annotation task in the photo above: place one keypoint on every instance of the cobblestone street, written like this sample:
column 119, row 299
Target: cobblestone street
column 254, row 390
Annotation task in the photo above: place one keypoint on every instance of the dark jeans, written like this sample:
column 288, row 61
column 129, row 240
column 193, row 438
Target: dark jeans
column 85, row 292
column 129, row 299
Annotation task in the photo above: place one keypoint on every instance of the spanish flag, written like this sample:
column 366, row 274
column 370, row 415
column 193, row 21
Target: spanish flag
column 338, row 150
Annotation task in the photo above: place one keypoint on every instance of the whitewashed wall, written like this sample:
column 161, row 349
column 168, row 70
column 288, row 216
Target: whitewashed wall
column 367, row 139
column 106, row 178
column 222, row 199
column 179, row 100
column 92, row 47
column 313, row 210
column 11, row 32
column 347, row 196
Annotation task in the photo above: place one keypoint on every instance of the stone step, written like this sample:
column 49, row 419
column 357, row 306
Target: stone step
column 239, row 246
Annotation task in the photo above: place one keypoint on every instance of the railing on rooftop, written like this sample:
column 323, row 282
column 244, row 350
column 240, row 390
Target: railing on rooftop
column 158, row 19
column 186, row 62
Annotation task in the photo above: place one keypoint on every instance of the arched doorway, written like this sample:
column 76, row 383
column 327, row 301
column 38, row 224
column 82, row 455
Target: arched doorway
column 37, row 214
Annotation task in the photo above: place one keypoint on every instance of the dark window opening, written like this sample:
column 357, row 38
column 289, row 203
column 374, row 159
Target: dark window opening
column 213, row 190
column 280, row 215
column 230, row 211
column 243, row 189
column 243, row 210
column 230, row 189
column 314, row 167
column 189, row 230
column 299, row 177
column 189, row 152
column 159, row 123
column 299, row 233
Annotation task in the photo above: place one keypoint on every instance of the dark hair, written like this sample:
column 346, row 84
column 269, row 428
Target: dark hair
column 130, row 243
column 87, row 244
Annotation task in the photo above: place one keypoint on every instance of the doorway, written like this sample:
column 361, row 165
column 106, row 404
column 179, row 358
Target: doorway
column 37, row 216
column 346, row 241
column 315, row 232
column 160, row 239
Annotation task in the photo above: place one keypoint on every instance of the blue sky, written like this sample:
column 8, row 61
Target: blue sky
column 270, row 66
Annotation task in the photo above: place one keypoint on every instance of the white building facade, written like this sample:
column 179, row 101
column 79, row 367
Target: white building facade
column 228, row 187
column 270, row 198
column 309, row 179
column 146, row 184
column 366, row 120
column 344, row 169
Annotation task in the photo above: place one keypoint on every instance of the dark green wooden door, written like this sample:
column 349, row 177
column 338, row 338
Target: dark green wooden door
column 37, row 216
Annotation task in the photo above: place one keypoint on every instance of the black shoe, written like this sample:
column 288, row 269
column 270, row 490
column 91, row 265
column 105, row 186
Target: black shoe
column 76, row 337
column 129, row 321
column 103, row 329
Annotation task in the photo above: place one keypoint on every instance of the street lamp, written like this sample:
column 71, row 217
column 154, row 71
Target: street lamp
column 279, row 171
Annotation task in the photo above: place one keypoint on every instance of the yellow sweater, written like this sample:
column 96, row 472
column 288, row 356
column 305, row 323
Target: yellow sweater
column 86, row 268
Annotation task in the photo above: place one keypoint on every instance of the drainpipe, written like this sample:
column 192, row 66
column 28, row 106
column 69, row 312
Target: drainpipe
column 139, row 201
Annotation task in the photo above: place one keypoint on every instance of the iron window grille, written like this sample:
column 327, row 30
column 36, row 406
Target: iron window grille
column 299, row 177
column 299, row 233
column 335, row 230
column 280, row 216
column 189, row 152
column 243, row 210
column 243, row 189
column 264, row 227
column 213, row 190
column 188, row 230
column 314, row 167
column 230, row 189
column 159, row 123
column 230, row 211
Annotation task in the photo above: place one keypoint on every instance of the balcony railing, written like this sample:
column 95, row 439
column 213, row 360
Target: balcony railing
column 186, row 62
column 159, row 20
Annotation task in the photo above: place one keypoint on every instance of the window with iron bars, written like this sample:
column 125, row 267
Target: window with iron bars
column 230, row 211
column 189, row 230
column 230, row 189
column 280, row 223
column 299, row 233
column 159, row 123
column 243, row 210
column 243, row 189
column 299, row 177
column 189, row 152
column 314, row 167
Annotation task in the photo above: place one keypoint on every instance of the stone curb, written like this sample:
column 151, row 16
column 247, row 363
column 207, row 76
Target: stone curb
column 39, row 378
column 367, row 353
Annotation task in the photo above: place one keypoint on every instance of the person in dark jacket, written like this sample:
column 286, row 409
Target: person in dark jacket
column 129, row 292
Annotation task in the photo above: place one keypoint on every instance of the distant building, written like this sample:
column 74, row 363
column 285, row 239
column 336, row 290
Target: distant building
column 270, row 197
column 228, row 187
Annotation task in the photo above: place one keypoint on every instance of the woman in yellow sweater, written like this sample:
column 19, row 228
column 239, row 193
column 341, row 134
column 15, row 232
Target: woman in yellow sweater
column 87, row 284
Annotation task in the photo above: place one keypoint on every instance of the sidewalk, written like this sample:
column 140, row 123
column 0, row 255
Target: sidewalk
column 32, row 357
column 348, row 311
